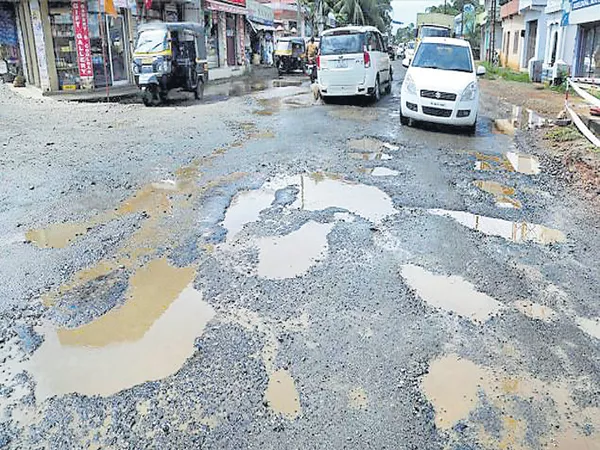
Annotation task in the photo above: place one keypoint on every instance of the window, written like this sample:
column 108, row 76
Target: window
column 443, row 57
column 589, row 54
column 554, row 47
column 516, row 44
column 342, row 43
column 506, row 43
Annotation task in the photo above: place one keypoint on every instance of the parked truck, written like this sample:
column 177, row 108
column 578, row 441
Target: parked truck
column 434, row 25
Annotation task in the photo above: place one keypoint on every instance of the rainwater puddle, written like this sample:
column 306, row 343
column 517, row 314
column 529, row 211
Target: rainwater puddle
column 521, row 119
column 358, row 399
column 148, row 338
column 282, row 396
column 590, row 326
column 379, row 171
column 378, row 156
column 535, row 311
column 367, row 144
column 456, row 387
column 526, row 164
column 451, row 293
column 513, row 231
column 500, row 192
column 293, row 254
column 317, row 191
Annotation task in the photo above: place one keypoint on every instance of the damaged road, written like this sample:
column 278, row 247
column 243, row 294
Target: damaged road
column 269, row 272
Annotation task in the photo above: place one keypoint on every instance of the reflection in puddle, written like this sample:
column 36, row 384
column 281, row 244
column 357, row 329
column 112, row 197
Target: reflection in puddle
column 293, row 254
column 590, row 326
column 282, row 396
column 500, row 192
column 379, row 171
column 512, row 231
column 354, row 113
column 535, row 311
column 520, row 119
column 245, row 208
column 148, row 338
column 367, row 144
column 451, row 293
column 526, row 164
column 457, row 387
column 365, row 156
column 357, row 398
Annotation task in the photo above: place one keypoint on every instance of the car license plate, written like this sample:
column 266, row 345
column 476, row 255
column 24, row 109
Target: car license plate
column 341, row 64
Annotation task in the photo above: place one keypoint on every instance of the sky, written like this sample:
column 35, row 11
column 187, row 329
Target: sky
column 406, row 10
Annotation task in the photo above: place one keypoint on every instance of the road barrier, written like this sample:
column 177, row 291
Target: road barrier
column 589, row 98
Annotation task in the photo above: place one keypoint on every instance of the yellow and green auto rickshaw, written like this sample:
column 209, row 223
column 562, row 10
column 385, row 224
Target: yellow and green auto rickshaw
column 170, row 56
column 290, row 54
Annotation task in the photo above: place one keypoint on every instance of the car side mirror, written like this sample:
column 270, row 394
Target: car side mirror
column 405, row 62
column 480, row 70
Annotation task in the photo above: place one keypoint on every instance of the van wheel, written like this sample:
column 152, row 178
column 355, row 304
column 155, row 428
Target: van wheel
column 151, row 96
column 377, row 90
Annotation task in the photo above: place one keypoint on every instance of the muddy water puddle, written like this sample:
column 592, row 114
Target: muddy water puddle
column 293, row 254
column 502, row 194
column 511, row 161
column 520, row 119
column 535, row 310
column 371, row 145
column 147, row 338
column 379, row 171
column 365, row 156
column 451, row 293
column 589, row 326
column 282, row 395
column 512, row 231
column 354, row 113
column 457, row 387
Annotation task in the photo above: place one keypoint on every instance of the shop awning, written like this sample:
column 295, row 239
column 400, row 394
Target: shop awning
column 260, row 26
column 215, row 5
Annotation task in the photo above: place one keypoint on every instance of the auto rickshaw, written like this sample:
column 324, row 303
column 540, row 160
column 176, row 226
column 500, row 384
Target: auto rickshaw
column 290, row 54
column 170, row 56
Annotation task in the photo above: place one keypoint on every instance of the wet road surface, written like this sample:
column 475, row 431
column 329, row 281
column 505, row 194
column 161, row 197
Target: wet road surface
column 302, row 276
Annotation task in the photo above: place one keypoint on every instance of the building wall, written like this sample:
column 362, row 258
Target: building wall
column 510, row 56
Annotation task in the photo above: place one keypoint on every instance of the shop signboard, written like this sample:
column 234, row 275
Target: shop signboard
column 259, row 12
column 82, row 40
column 579, row 4
column 40, row 46
column 241, row 3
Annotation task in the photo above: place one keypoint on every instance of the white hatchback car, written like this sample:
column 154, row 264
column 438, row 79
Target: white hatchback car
column 441, row 85
column 353, row 61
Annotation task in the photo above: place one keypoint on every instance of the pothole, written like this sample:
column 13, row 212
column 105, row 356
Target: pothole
column 451, row 293
column 379, row 171
column 512, row 231
column 366, row 156
column 502, row 194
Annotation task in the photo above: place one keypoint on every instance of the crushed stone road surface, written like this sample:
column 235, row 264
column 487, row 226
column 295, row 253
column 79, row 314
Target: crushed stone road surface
column 266, row 272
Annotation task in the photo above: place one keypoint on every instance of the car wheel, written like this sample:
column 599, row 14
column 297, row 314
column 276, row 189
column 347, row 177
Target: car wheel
column 471, row 129
column 326, row 100
column 377, row 90
column 404, row 120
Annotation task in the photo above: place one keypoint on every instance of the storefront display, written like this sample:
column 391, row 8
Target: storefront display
column 211, row 26
column 65, row 51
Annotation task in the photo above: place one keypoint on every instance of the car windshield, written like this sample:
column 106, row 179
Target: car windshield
column 443, row 56
column 434, row 32
column 151, row 41
column 340, row 44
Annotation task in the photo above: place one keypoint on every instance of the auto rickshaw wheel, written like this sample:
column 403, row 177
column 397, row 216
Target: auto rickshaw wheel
column 151, row 96
column 199, row 91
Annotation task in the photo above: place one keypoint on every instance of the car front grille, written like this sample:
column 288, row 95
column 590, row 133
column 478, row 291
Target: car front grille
column 442, row 95
column 438, row 112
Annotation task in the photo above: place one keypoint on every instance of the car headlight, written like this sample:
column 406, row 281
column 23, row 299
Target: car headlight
column 165, row 67
column 411, row 87
column 470, row 92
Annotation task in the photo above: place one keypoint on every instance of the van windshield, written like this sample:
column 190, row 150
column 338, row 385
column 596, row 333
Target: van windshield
column 432, row 55
column 341, row 44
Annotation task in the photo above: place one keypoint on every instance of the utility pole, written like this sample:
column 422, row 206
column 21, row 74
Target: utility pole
column 444, row 6
column 492, row 39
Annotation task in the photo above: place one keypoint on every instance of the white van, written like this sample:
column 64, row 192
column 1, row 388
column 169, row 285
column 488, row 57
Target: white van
column 353, row 61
